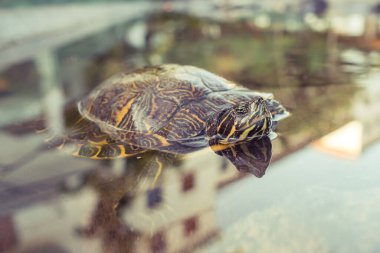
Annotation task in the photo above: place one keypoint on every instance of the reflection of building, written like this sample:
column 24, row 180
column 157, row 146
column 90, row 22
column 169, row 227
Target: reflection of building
column 48, row 224
column 175, row 214
column 34, row 217
column 179, row 213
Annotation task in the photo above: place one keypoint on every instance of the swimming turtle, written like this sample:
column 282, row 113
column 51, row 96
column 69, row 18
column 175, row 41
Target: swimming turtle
column 171, row 108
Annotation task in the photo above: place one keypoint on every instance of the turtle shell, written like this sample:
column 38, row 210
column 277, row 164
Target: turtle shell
column 159, row 105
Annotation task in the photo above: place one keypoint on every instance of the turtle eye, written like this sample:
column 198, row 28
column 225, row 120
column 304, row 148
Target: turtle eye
column 242, row 109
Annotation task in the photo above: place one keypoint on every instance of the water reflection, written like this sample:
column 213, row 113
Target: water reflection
column 53, row 202
column 252, row 157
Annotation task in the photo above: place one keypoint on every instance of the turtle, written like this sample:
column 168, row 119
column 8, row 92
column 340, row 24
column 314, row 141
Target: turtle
column 171, row 108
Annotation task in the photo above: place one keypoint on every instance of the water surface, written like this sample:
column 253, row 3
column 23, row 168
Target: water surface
column 319, row 194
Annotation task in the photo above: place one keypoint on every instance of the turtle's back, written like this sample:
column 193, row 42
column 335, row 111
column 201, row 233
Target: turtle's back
column 167, row 99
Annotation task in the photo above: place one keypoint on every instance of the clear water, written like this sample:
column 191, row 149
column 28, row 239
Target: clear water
column 319, row 194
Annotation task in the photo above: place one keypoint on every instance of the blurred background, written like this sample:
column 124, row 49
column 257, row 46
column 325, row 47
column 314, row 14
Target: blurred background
column 320, row 58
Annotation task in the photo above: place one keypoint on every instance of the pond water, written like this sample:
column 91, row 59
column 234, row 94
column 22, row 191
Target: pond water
column 320, row 190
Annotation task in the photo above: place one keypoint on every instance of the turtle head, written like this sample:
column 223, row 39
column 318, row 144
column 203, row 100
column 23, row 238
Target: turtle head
column 244, row 121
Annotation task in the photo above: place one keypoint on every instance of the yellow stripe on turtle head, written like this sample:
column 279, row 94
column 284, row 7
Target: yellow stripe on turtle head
column 225, row 140
column 244, row 135
column 233, row 130
column 224, row 119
